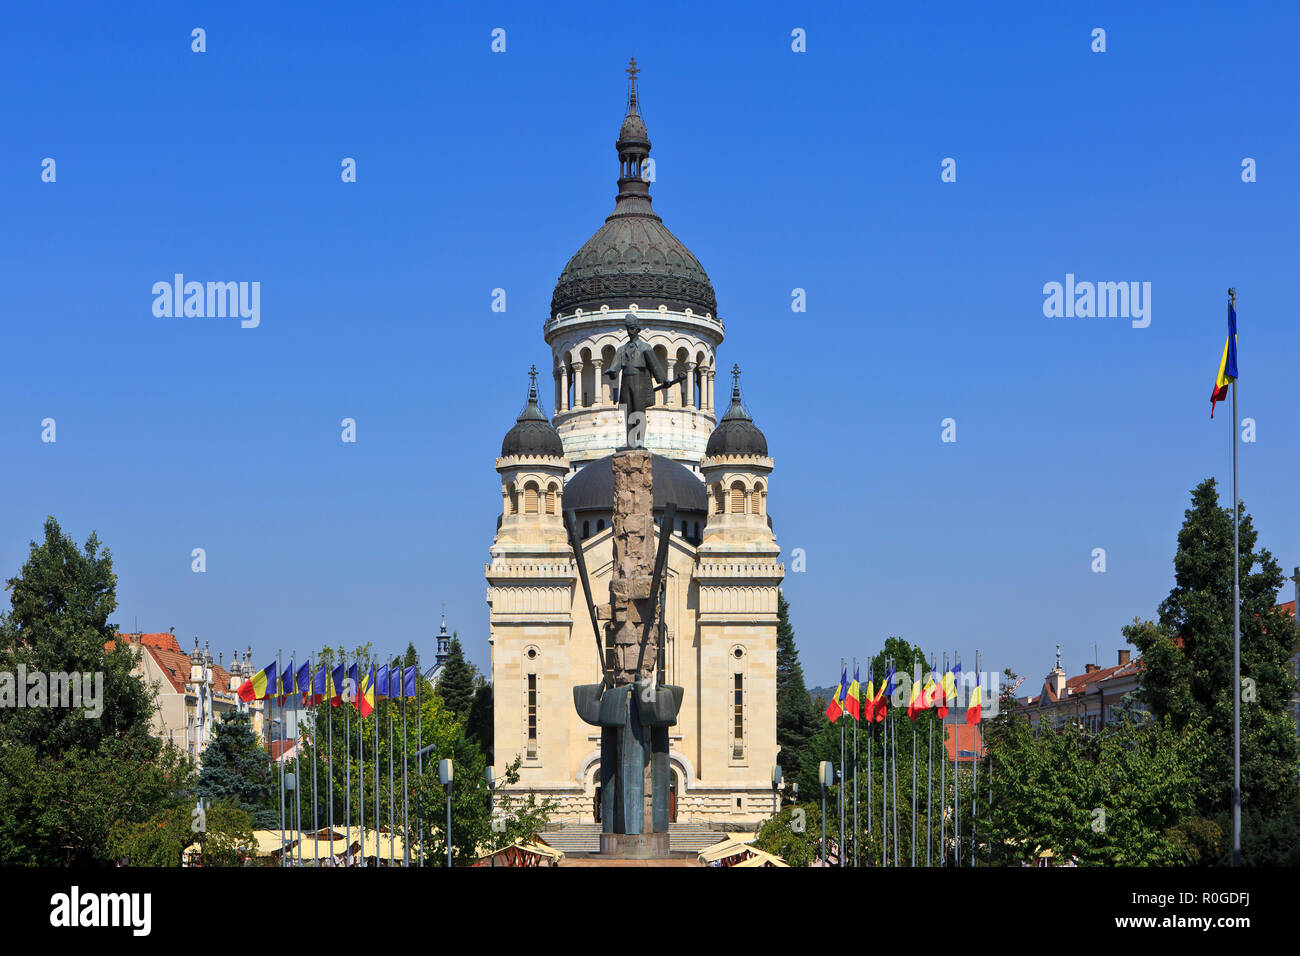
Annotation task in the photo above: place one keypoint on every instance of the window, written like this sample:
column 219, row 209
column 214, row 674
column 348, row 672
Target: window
column 738, row 739
column 600, row 526
column 530, row 499
column 532, row 716
column 586, row 529
column 737, row 499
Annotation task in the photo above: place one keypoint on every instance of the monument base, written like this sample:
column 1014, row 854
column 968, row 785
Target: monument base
column 635, row 846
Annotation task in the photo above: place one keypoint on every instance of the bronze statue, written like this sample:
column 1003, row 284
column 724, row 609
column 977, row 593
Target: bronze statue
column 641, row 367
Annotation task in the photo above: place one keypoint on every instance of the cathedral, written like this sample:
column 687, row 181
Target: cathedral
column 723, row 569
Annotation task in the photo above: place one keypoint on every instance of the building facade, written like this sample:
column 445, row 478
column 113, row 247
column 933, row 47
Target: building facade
column 723, row 566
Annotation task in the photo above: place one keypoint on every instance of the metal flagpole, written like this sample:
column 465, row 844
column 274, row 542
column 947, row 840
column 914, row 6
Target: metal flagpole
column 956, row 779
column 361, row 768
column 347, row 768
column 315, row 803
column 330, row 727
column 1236, row 621
column 406, row 792
column 929, row 772
column 297, row 769
column 894, row 774
column 856, row 718
column 375, row 714
column 839, row 850
column 916, row 670
column 884, row 776
column 419, row 755
column 279, row 676
column 943, row 769
column 392, row 820
column 975, row 762
column 871, row 737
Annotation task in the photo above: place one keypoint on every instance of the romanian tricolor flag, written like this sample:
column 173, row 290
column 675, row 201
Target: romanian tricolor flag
column 365, row 701
column 851, row 702
column 869, row 699
column 1228, row 363
column 303, row 681
column 950, row 681
column 336, row 686
column 973, row 711
column 915, row 703
column 834, row 711
column 930, row 695
column 880, row 708
column 259, row 685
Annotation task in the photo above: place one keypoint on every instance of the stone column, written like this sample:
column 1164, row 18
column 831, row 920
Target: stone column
column 564, row 389
column 670, row 399
column 577, row 385
column 556, row 375
column 690, row 386
column 601, row 397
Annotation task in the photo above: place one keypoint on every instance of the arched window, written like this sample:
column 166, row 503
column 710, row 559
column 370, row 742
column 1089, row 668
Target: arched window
column 553, row 499
column 512, row 506
column 697, row 531
column 600, row 526
column 718, row 499
column 683, row 529
column 530, row 498
column 737, row 498
column 756, row 506
column 586, row 529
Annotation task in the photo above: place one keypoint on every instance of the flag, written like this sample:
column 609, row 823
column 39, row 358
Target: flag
column 950, row 681
column 1228, row 363
column 381, row 682
column 973, row 711
column 881, row 707
column 851, row 704
column 914, row 703
column 286, row 684
column 336, row 686
column 833, row 710
column 259, row 685
column 408, row 681
column 365, row 701
column 869, row 699
column 303, row 680
column 930, row 695
column 322, row 686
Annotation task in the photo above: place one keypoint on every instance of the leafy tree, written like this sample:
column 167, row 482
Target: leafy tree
column 236, row 768
column 456, row 684
column 66, row 777
column 478, row 723
column 1187, row 658
column 795, row 834
column 163, row 839
column 796, row 720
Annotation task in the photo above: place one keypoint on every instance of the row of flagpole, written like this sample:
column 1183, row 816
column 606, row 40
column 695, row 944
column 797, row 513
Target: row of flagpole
column 308, row 689
column 932, row 693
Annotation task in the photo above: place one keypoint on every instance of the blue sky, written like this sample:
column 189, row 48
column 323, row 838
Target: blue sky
column 818, row 170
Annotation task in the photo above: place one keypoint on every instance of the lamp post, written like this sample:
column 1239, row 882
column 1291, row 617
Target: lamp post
column 445, row 777
column 826, row 774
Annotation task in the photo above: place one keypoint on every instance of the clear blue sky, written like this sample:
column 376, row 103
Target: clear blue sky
column 817, row 170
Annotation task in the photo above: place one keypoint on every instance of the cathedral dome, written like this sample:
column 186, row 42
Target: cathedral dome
column 592, row 488
column 532, row 434
column 633, row 258
column 736, row 434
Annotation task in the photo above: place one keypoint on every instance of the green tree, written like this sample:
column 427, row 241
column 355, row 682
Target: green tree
column 236, row 769
column 795, row 834
column 456, row 684
column 226, row 840
column 68, row 774
column 796, row 720
column 1187, row 658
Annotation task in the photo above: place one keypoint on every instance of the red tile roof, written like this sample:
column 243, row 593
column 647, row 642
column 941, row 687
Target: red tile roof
column 174, row 663
column 965, row 738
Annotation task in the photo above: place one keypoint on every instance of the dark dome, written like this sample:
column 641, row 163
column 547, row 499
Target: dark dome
column 592, row 488
column 736, row 434
column 633, row 257
column 532, row 434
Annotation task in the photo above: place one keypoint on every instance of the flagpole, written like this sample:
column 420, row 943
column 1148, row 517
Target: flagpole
column 975, row 761
column 297, row 768
column 871, row 738
column 279, row 677
column 392, row 820
column 943, row 769
column 858, row 704
column 1236, row 620
column 839, row 850
column 929, row 771
column 330, row 728
column 916, row 671
column 884, row 775
column 347, row 768
column 419, row 754
column 375, row 714
column 894, row 775
column 361, row 769
column 406, row 792
column 956, row 776
column 315, row 803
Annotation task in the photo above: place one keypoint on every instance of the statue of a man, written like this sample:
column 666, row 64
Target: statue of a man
column 641, row 368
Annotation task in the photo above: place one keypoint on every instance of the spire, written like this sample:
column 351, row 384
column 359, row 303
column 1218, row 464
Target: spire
column 633, row 150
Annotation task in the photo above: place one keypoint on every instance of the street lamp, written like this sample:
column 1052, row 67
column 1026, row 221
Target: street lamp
column 825, row 774
column 445, row 778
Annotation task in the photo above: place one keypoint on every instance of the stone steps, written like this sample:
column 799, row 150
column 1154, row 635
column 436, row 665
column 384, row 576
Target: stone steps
column 585, row 837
